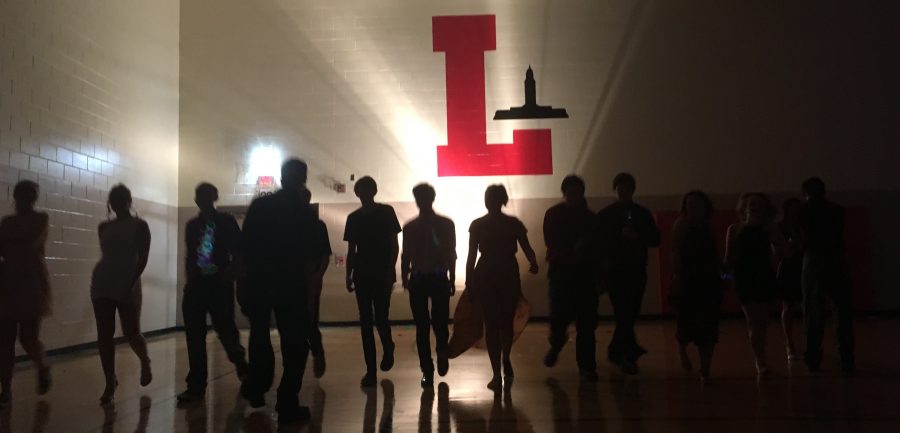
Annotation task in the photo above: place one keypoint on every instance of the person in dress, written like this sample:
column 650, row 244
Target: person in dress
column 696, row 286
column 493, row 285
column 116, row 286
column 751, row 247
column 24, row 287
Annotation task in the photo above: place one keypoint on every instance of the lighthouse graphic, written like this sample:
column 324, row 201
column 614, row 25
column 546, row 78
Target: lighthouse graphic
column 531, row 109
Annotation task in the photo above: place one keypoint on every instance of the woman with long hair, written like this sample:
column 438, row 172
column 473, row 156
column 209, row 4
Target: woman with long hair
column 24, row 287
column 697, row 286
column 116, row 286
column 789, row 270
column 750, row 249
column 493, row 283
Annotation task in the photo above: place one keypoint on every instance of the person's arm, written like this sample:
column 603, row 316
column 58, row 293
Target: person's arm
column 730, row 236
column 451, row 261
column 650, row 233
column 41, row 239
column 395, row 246
column 473, row 255
column 236, row 268
column 326, row 250
column 143, row 249
column 529, row 252
column 351, row 262
column 679, row 231
column 549, row 234
column 405, row 259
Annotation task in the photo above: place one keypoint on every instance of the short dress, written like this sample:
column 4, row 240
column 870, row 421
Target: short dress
column 698, row 299
column 24, row 280
column 754, row 277
column 113, row 277
column 495, row 296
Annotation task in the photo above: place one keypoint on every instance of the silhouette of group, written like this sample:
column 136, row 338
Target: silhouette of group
column 275, row 264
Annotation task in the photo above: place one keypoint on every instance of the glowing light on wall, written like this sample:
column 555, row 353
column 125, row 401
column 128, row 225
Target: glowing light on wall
column 263, row 160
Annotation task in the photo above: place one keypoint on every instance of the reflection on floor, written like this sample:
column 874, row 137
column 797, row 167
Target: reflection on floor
column 662, row 398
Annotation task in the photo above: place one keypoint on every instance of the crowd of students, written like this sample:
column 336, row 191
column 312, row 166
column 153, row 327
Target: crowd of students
column 275, row 264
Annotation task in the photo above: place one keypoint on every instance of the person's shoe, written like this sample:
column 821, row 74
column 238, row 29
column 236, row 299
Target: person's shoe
column 686, row 363
column 791, row 354
column 628, row 367
column 242, row 371
column 496, row 384
column 255, row 400
column 427, row 380
column 588, row 375
column 5, row 399
column 508, row 372
column 293, row 415
column 551, row 357
column 109, row 394
column 369, row 380
column 190, row 396
column 146, row 373
column 44, row 381
column 443, row 364
column 387, row 360
column 319, row 366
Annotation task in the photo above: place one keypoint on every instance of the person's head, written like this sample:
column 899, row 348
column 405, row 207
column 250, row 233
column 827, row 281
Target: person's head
column 206, row 195
column 624, row 184
column 495, row 197
column 696, row 205
column 424, row 194
column 572, row 188
column 119, row 200
column 813, row 188
column 755, row 208
column 365, row 188
column 25, row 193
column 293, row 174
column 790, row 210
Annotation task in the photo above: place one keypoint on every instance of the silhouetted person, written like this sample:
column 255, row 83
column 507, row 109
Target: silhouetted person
column 696, row 287
column 428, row 271
column 315, row 267
column 749, row 248
column 789, row 271
column 278, row 232
column 625, row 231
column 24, row 287
column 116, row 286
column 371, row 234
column 212, row 239
column 825, row 275
column 493, row 283
column 573, row 292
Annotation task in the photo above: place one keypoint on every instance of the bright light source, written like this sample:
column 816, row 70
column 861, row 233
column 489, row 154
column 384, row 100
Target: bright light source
column 264, row 160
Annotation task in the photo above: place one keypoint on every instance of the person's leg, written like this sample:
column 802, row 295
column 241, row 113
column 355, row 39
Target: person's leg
column 756, row 314
column 261, row 366
column 105, row 317
column 506, row 341
column 494, row 348
column 706, row 350
column 842, row 298
column 615, row 351
column 29, row 338
column 382, row 305
column 130, row 318
column 440, row 320
column 292, row 320
column 315, row 335
column 419, row 288
column 788, row 311
column 586, row 324
column 637, row 284
column 193, row 310
column 813, row 310
column 8, row 331
column 221, row 311
column 366, row 328
column 562, row 311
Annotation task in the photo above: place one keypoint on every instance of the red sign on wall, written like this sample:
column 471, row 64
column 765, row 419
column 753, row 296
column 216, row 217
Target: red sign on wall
column 464, row 39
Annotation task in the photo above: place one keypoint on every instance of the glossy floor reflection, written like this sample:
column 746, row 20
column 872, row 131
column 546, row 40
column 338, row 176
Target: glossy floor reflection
column 662, row 398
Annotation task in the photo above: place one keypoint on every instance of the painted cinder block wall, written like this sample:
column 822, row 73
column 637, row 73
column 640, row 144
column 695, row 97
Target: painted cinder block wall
column 89, row 98
column 723, row 96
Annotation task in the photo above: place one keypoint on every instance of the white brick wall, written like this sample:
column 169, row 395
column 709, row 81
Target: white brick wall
column 69, row 118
